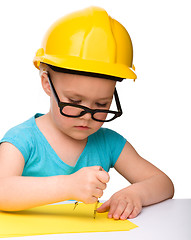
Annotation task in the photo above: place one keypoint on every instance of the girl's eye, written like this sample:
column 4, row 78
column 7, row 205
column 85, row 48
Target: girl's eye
column 74, row 101
column 101, row 104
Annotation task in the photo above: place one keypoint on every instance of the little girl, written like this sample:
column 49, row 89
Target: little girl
column 58, row 156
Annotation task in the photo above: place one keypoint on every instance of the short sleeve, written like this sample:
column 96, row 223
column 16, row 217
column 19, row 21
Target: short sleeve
column 116, row 143
column 19, row 137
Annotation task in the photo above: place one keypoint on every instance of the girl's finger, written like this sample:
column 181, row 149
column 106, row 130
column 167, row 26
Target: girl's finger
column 98, row 193
column 104, row 207
column 113, row 206
column 101, row 185
column 120, row 209
column 128, row 210
column 122, row 205
column 135, row 212
column 103, row 176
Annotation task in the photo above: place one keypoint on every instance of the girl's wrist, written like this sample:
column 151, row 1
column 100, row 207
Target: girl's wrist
column 65, row 188
column 136, row 190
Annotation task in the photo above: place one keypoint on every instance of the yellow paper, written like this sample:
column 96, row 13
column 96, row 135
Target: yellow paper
column 58, row 219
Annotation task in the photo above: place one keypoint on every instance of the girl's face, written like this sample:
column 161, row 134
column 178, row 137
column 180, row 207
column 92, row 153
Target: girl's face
column 92, row 92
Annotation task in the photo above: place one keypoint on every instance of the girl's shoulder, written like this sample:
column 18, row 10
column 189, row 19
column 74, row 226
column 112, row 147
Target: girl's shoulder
column 108, row 134
column 24, row 129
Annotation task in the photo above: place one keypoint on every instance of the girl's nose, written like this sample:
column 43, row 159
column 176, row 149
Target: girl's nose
column 86, row 116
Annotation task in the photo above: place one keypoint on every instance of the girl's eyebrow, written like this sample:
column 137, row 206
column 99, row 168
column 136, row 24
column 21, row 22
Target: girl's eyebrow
column 106, row 98
column 73, row 94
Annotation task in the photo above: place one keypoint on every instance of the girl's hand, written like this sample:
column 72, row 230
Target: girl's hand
column 88, row 183
column 124, row 204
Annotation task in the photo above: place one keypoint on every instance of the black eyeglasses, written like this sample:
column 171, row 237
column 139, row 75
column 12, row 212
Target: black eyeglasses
column 75, row 110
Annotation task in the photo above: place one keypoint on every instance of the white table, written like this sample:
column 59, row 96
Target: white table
column 168, row 220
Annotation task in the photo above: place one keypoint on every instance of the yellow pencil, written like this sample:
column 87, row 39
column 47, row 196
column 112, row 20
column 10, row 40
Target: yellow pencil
column 96, row 204
column 95, row 209
column 75, row 205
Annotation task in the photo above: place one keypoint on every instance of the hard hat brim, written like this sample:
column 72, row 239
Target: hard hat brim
column 92, row 66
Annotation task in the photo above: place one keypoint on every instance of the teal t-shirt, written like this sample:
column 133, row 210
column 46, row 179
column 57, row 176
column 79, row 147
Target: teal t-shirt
column 102, row 149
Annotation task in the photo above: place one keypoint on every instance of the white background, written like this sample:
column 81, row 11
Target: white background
column 156, row 119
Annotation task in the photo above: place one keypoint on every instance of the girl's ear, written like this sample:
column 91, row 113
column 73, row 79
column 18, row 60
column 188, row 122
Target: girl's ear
column 45, row 83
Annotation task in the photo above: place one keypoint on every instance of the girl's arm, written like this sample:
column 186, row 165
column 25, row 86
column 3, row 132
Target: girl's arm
column 149, row 185
column 18, row 192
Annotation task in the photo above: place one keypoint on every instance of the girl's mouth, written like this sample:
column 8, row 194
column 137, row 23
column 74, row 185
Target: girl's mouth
column 82, row 127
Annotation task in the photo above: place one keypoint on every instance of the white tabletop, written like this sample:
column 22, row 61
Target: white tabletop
column 168, row 220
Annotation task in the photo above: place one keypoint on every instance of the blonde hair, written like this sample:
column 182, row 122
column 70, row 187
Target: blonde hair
column 43, row 68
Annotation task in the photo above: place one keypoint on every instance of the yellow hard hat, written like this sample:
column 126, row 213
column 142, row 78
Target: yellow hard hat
column 90, row 41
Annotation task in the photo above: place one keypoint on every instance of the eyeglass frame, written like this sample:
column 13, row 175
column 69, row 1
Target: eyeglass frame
column 61, row 105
